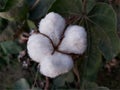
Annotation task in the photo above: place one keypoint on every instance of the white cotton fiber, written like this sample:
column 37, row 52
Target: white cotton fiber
column 56, row 64
column 52, row 25
column 75, row 40
column 38, row 47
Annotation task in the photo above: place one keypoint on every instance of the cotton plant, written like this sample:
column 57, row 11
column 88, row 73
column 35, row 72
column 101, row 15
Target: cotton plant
column 53, row 46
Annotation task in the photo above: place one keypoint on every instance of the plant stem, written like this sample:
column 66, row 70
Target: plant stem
column 47, row 84
column 76, row 72
column 35, row 79
column 84, row 6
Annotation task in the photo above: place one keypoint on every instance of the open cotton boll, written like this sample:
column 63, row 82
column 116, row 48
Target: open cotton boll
column 52, row 25
column 75, row 40
column 38, row 47
column 56, row 65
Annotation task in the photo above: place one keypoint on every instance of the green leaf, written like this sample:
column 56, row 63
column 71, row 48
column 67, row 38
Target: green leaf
column 31, row 3
column 7, row 33
column 31, row 24
column 36, row 88
column 16, row 13
column 104, row 19
column 101, row 15
column 92, row 86
column 4, row 60
column 102, row 37
column 2, row 4
column 11, row 30
column 21, row 84
column 67, row 7
column 89, row 5
column 8, row 4
column 87, row 85
column 72, row 7
column 61, row 80
column 10, row 47
column 6, row 15
column 102, row 88
column 41, row 9
column 93, row 61
column 3, row 24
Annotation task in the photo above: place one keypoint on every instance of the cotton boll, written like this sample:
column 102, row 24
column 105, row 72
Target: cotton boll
column 52, row 25
column 38, row 47
column 75, row 40
column 56, row 64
